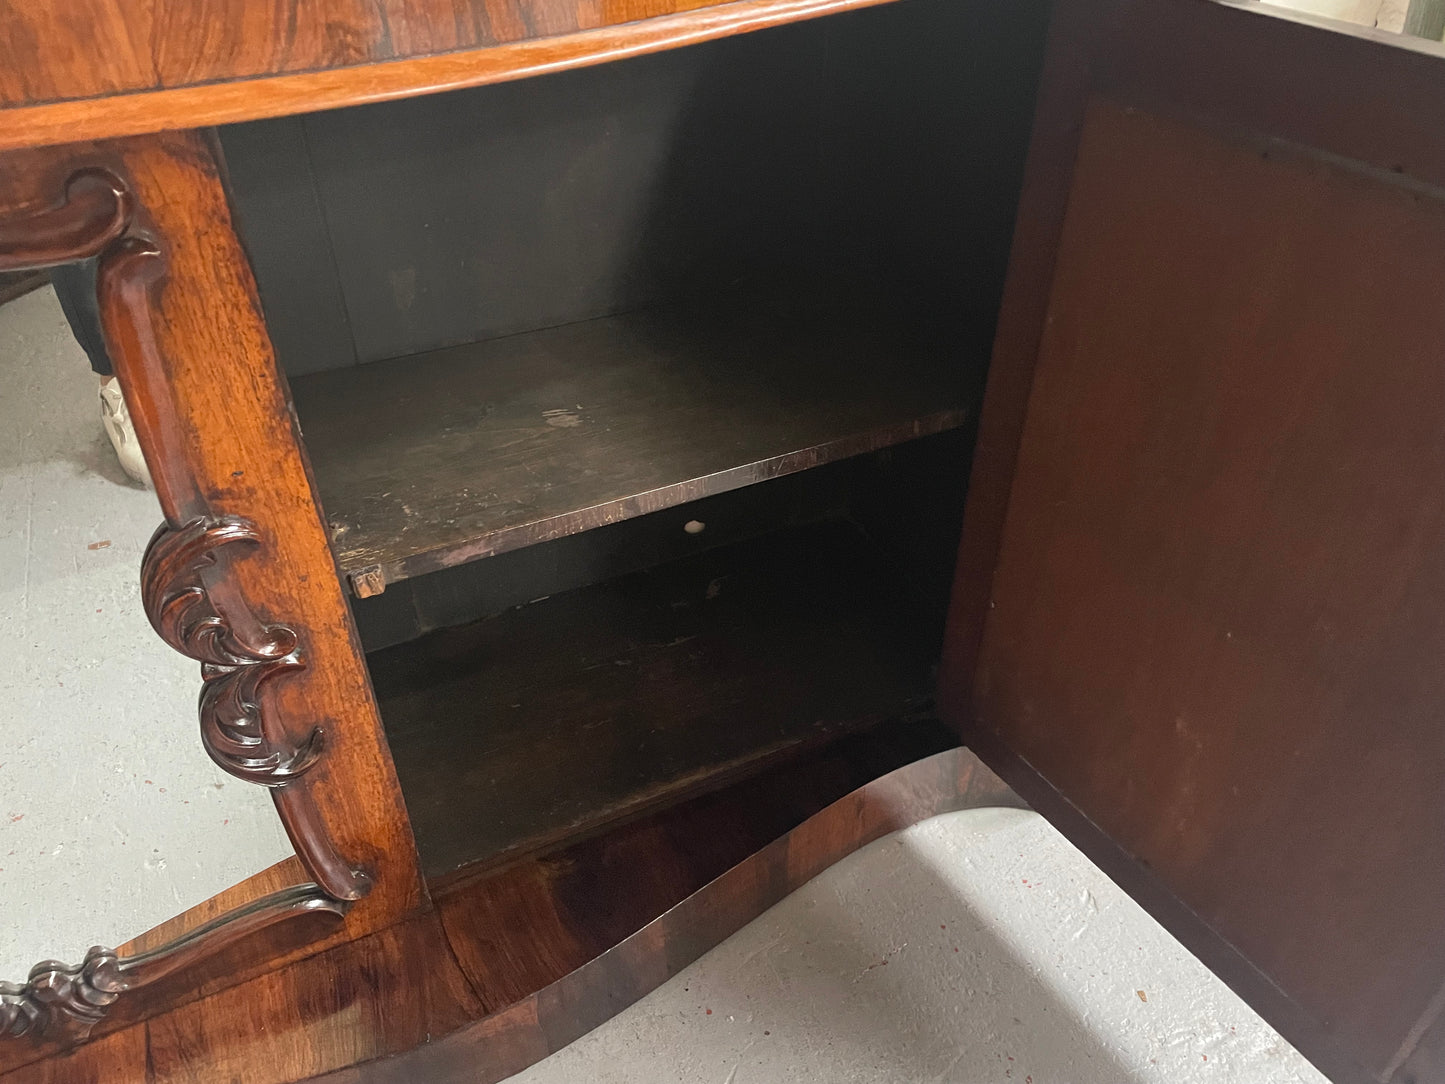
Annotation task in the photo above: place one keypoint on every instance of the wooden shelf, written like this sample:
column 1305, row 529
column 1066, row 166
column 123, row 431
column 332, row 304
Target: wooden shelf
column 430, row 461
column 538, row 726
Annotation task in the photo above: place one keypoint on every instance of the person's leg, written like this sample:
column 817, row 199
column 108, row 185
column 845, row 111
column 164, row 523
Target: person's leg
column 75, row 288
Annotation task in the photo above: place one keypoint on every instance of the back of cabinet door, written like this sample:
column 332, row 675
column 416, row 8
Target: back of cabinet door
column 1199, row 619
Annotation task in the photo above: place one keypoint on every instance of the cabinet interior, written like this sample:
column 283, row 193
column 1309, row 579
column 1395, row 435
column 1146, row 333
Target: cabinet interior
column 640, row 401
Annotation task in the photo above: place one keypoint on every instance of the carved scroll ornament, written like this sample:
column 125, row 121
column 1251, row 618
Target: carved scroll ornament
column 233, row 667
column 59, row 1001
column 184, row 570
column 61, row 1004
column 96, row 212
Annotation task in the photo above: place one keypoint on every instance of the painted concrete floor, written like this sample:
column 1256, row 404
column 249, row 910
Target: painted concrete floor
column 977, row 947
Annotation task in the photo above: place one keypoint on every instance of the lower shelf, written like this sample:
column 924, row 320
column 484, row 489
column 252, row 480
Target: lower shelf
column 545, row 723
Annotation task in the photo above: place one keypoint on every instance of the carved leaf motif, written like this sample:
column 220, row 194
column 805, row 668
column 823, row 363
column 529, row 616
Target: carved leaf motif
column 234, row 668
column 61, row 1002
column 19, row 1012
column 178, row 605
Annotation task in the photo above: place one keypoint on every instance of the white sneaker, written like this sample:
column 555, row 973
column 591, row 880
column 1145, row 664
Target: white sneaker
column 116, row 418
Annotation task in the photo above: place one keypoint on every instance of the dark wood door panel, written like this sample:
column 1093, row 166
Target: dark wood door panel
column 1218, row 616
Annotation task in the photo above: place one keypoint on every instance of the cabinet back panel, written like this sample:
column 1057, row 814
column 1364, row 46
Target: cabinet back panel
column 278, row 209
column 550, row 720
column 886, row 143
column 549, row 201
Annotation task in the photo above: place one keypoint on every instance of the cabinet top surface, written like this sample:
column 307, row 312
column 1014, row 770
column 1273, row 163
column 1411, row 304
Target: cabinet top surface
column 74, row 70
column 79, row 70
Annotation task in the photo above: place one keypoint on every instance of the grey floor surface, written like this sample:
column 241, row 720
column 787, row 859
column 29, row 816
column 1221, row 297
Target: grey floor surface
column 977, row 947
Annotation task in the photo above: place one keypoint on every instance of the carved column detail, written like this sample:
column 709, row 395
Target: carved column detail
column 182, row 577
column 190, row 598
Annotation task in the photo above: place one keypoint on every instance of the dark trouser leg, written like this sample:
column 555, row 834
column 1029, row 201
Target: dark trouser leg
column 75, row 287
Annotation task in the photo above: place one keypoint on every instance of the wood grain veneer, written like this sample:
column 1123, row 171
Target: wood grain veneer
column 103, row 69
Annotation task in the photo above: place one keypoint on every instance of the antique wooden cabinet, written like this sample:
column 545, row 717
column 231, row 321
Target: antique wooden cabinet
column 634, row 521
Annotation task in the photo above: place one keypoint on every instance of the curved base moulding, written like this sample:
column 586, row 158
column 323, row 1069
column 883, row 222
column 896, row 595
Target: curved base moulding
column 530, row 1029
column 516, row 963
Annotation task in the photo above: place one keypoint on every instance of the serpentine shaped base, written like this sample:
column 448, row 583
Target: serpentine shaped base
column 506, row 969
column 545, row 1020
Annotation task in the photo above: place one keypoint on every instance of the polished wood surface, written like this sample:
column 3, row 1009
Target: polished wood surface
column 1219, row 592
column 98, row 1062
column 430, row 461
column 93, row 210
column 93, row 69
column 602, row 936
column 283, row 874
column 577, row 902
column 185, row 332
column 1207, row 58
column 61, row 1004
column 1216, row 616
column 549, row 905
column 1197, row 607
column 1207, row 636
column 212, row 418
column 554, row 719
column 230, row 968
column 241, row 657
column 393, row 990
column 235, row 579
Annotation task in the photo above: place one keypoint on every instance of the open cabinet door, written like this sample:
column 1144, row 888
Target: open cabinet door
column 1200, row 613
